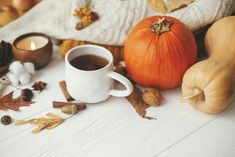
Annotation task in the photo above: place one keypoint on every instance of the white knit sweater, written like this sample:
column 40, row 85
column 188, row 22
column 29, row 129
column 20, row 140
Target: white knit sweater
column 117, row 17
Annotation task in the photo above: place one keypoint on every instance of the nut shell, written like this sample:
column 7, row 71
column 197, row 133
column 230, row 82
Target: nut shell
column 70, row 109
column 152, row 97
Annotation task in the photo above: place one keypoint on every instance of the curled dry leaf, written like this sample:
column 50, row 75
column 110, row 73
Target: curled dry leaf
column 86, row 16
column 7, row 102
column 137, row 102
column 49, row 122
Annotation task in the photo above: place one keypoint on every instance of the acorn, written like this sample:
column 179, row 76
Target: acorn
column 70, row 109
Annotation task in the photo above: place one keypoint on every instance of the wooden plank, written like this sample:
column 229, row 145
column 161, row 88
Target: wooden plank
column 113, row 128
column 216, row 139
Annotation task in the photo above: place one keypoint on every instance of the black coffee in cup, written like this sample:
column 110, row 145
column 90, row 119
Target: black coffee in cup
column 89, row 62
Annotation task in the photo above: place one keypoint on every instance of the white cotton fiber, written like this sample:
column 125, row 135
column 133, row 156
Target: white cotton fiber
column 20, row 73
column 25, row 78
column 29, row 67
column 16, row 67
column 13, row 78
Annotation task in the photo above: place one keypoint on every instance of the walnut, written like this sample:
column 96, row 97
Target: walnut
column 152, row 97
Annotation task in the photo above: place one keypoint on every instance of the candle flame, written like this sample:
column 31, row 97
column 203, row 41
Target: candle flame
column 33, row 46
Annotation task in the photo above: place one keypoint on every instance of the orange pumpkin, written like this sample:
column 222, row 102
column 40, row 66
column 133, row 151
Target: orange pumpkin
column 158, row 51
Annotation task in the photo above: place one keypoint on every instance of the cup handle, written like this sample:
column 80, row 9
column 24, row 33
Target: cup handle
column 123, row 80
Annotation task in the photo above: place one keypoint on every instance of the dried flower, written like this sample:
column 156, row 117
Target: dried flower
column 86, row 20
column 94, row 16
column 83, row 11
column 39, row 85
column 86, row 16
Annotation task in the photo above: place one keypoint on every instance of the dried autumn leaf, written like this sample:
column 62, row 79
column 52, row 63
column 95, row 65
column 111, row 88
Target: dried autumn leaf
column 158, row 5
column 39, row 85
column 49, row 122
column 139, row 105
column 21, row 122
column 7, row 102
column 173, row 5
column 55, row 124
column 53, row 115
column 166, row 6
column 39, row 128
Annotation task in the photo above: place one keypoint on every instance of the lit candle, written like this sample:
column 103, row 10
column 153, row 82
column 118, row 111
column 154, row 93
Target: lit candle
column 33, row 47
column 32, row 43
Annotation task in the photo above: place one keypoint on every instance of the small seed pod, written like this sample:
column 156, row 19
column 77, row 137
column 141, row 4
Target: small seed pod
column 152, row 97
column 5, row 120
column 27, row 94
column 70, row 109
column 94, row 16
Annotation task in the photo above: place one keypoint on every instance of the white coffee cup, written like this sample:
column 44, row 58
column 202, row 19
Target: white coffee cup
column 95, row 85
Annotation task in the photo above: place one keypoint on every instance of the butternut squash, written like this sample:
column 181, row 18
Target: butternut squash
column 209, row 85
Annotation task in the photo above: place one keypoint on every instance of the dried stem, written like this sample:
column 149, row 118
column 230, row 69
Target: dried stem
column 161, row 26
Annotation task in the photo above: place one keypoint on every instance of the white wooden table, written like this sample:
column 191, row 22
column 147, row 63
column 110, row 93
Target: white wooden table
column 113, row 128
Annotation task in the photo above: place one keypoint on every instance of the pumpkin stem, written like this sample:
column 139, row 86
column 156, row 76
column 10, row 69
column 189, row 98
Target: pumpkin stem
column 198, row 94
column 161, row 26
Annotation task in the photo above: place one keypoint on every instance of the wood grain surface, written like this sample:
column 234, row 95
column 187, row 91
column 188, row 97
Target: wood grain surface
column 113, row 128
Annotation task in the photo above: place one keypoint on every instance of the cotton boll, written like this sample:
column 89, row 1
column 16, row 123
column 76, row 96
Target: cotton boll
column 5, row 80
column 29, row 67
column 13, row 78
column 25, row 78
column 16, row 67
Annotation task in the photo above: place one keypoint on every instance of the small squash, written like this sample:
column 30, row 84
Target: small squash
column 209, row 85
column 158, row 51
